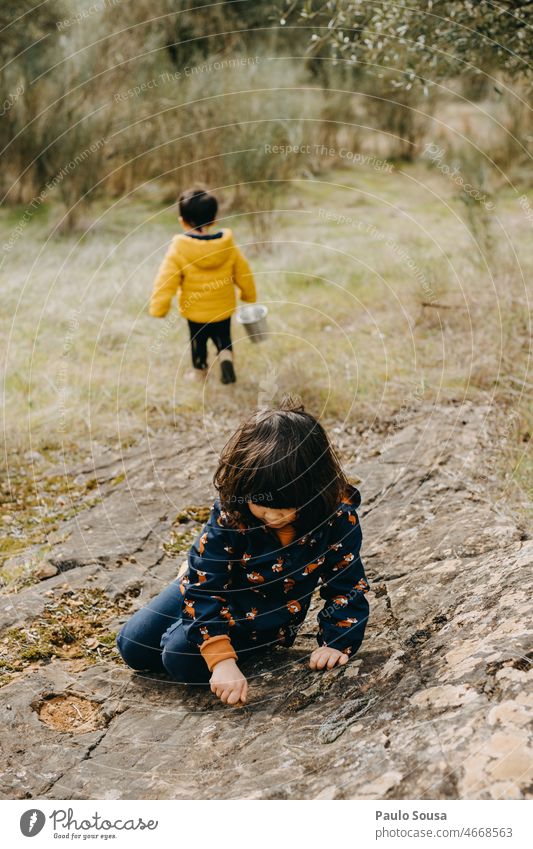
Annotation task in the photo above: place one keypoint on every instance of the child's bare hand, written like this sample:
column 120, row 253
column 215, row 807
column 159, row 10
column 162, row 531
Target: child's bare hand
column 228, row 683
column 325, row 658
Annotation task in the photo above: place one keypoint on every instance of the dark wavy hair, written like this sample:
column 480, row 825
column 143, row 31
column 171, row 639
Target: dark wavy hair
column 281, row 458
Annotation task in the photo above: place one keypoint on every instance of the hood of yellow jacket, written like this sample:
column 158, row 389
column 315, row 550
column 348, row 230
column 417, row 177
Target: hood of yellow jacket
column 206, row 253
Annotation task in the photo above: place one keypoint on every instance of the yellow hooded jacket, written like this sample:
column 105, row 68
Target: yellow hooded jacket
column 206, row 271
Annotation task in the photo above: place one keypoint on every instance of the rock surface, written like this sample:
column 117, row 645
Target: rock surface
column 435, row 705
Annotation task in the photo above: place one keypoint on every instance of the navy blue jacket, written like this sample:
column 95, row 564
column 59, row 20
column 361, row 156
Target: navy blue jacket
column 241, row 582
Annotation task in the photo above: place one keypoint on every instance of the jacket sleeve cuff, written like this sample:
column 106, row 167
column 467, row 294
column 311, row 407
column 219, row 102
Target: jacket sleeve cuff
column 216, row 649
column 157, row 312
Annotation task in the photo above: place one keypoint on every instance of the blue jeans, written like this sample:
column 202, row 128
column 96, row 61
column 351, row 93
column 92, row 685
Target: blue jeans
column 153, row 640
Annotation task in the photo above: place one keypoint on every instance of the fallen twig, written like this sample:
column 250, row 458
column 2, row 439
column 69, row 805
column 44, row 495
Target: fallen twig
column 443, row 306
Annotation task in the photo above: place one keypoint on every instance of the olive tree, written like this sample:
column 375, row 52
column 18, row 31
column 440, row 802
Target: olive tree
column 416, row 42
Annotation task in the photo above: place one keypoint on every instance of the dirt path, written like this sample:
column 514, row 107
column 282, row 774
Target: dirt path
column 434, row 706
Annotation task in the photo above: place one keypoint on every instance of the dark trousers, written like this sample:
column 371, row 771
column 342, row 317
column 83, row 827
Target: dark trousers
column 153, row 640
column 218, row 331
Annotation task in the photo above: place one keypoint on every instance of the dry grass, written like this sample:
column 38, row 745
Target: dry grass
column 73, row 624
column 398, row 300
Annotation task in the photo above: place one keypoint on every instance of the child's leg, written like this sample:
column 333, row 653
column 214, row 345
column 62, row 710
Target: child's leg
column 182, row 659
column 199, row 335
column 221, row 336
column 139, row 640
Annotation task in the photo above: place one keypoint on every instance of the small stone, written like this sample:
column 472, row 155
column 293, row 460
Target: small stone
column 351, row 671
column 46, row 570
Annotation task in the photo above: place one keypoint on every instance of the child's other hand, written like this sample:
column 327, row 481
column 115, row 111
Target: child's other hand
column 228, row 683
column 324, row 658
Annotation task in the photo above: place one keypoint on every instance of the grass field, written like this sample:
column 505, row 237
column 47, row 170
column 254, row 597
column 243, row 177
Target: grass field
column 384, row 287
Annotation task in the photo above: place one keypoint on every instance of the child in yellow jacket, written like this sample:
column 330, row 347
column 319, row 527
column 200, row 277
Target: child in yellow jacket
column 205, row 267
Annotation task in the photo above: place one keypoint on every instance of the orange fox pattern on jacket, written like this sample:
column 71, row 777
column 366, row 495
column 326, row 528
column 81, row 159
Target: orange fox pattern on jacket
column 226, row 614
column 288, row 584
column 255, row 578
column 340, row 600
column 188, row 608
column 244, row 581
column 346, row 560
column 312, row 566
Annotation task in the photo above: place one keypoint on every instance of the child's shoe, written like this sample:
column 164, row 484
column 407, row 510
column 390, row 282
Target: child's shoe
column 227, row 372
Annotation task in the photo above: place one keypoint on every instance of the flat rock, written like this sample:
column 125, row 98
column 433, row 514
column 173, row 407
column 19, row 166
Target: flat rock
column 435, row 705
